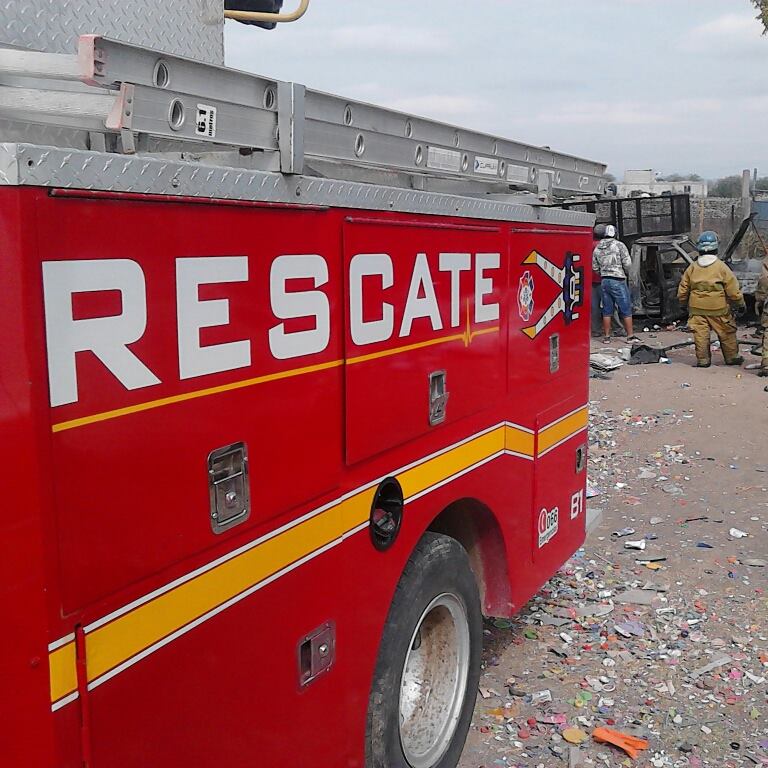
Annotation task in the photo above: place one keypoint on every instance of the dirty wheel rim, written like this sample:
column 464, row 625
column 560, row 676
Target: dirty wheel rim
column 434, row 681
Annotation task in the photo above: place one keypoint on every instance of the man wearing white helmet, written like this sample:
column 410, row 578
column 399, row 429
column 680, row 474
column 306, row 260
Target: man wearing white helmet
column 611, row 260
column 707, row 287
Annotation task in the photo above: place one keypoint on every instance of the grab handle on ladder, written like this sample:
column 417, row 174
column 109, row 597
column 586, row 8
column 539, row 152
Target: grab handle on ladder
column 269, row 17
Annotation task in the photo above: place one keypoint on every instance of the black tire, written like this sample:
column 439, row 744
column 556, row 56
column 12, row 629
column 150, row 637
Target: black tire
column 438, row 569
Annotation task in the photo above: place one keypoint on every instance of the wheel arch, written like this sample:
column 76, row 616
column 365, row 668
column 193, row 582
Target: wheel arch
column 476, row 528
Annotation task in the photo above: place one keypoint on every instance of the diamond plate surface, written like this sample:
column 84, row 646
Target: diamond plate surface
column 9, row 175
column 193, row 28
column 77, row 169
column 12, row 130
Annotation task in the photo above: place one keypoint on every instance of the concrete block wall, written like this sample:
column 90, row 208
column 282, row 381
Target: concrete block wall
column 719, row 214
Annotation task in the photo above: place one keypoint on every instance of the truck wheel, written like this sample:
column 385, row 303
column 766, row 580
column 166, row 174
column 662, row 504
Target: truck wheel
column 428, row 669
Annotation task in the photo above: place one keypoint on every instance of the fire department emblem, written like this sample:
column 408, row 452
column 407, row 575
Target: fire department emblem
column 570, row 280
column 525, row 304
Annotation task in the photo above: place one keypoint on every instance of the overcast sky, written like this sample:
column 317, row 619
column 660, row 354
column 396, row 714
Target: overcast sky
column 674, row 85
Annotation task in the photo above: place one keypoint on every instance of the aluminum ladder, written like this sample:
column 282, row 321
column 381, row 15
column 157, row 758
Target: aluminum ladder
column 130, row 99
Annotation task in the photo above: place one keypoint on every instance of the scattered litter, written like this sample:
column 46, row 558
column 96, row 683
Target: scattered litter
column 540, row 697
column 575, row 758
column 553, row 621
column 575, row 736
column 630, row 628
column 713, row 665
column 605, row 363
column 582, row 613
column 667, row 644
column 636, row 596
column 632, row 745
column 640, row 544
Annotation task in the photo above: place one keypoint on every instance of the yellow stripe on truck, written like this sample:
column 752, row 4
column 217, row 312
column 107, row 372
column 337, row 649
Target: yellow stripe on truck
column 440, row 468
column 114, row 643
column 110, row 645
column 562, row 430
column 130, row 634
column 63, row 671
column 518, row 441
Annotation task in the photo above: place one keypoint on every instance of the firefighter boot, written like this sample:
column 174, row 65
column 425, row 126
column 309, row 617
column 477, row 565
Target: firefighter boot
column 700, row 329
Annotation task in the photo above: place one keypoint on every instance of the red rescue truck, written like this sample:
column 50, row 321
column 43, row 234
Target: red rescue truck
column 293, row 390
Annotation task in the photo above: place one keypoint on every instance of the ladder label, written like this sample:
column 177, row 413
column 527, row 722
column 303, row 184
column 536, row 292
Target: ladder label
column 487, row 166
column 205, row 125
column 443, row 159
column 518, row 173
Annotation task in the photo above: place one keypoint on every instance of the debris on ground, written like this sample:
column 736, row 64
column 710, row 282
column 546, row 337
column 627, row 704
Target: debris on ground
column 662, row 643
column 605, row 363
column 642, row 354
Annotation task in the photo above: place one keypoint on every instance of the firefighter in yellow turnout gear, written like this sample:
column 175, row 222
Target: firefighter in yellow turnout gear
column 707, row 287
column 761, row 302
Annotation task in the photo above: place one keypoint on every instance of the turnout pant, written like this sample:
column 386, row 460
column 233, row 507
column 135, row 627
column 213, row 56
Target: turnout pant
column 765, row 350
column 724, row 327
column 765, row 338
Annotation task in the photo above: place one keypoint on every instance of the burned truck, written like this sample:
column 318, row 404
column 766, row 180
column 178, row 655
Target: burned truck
column 746, row 252
column 655, row 229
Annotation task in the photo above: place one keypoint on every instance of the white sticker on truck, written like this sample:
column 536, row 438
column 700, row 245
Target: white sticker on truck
column 518, row 173
column 487, row 166
column 549, row 522
column 443, row 159
column 205, row 125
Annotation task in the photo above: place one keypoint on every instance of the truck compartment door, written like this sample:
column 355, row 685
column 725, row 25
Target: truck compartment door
column 222, row 325
column 425, row 330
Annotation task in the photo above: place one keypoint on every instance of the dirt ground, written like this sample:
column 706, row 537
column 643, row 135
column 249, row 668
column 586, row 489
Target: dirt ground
column 673, row 651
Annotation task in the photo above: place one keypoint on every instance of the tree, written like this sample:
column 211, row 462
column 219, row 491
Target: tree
column 762, row 7
column 609, row 177
column 730, row 186
column 682, row 177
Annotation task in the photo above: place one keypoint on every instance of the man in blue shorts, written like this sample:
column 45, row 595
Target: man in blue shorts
column 611, row 260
